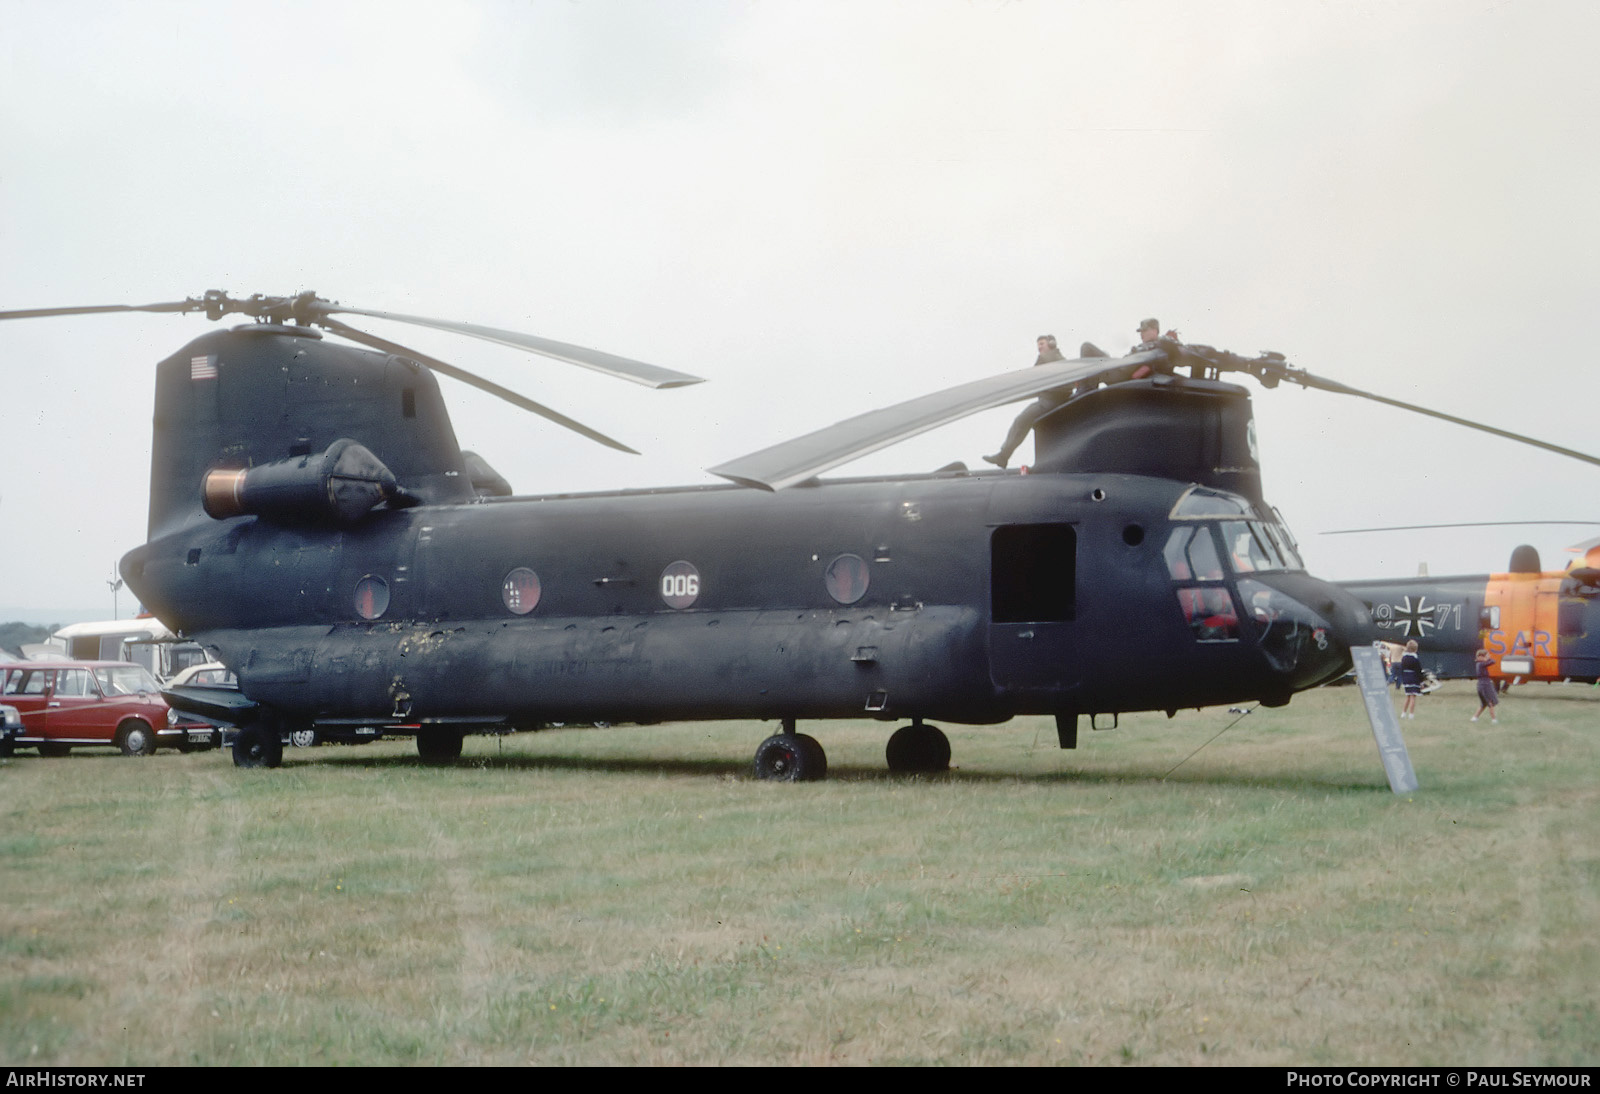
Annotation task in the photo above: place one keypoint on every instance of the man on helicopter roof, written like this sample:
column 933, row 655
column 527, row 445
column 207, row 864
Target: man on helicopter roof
column 1150, row 338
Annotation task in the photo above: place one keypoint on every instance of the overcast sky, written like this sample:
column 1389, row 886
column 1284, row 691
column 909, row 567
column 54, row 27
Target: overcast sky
column 821, row 208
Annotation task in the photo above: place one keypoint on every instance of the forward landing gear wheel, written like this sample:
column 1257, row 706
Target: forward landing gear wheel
column 918, row 749
column 791, row 758
column 258, row 746
column 439, row 745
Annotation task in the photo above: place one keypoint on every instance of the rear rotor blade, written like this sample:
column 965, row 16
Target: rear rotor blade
column 621, row 367
column 309, row 308
column 476, row 381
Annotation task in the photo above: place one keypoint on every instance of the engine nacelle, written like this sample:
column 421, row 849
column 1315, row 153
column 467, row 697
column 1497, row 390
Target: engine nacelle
column 340, row 485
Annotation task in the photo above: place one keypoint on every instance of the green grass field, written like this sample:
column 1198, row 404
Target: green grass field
column 632, row 896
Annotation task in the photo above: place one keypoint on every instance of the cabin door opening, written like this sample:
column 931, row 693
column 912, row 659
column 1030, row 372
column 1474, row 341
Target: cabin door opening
column 1033, row 606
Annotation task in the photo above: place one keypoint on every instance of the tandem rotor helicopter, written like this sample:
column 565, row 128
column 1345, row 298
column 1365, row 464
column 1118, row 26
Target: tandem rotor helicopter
column 316, row 526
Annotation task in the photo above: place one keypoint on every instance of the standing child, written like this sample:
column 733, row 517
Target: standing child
column 1410, row 679
column 1488, row 695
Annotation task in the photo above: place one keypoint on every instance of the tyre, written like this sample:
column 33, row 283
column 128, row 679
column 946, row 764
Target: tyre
column 303, row 738
column 439, row 745
column 790, row 758
column 136, row 738
column 918, row 750
column 53, row 750
column 814, row 761
column 257, row 746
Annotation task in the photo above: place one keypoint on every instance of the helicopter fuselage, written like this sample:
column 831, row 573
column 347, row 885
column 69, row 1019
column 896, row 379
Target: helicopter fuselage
column 968, row 598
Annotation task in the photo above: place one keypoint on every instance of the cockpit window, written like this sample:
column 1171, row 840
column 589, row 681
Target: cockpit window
column 1208, row 609
column 1191, row 554
column 1255, row 546
column 1199, row 502
column 1244, row 549
column 1284, row 542
column 1291, row 545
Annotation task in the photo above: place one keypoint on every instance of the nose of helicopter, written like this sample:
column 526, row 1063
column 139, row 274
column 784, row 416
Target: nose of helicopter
column 1305, row 627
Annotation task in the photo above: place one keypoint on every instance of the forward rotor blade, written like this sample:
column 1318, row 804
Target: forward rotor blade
column 476, row 381
column 1272, row 368
column 1465, row 524
column 799, row 459
column 94, row 309
column 1345, row 389
column 621, row 367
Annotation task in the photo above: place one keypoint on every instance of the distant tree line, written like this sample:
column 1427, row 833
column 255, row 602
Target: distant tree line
column 13, row 636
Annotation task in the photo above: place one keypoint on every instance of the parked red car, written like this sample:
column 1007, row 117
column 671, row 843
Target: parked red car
column 68, row 704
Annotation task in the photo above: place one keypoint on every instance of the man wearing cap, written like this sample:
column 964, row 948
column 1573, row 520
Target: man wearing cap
column 1150, row 337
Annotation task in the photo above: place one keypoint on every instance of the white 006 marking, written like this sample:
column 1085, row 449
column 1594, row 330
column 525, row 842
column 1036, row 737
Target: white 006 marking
column 674, row 585
column 680, row 584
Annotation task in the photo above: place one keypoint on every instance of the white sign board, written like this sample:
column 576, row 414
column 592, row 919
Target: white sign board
column 1385, row 726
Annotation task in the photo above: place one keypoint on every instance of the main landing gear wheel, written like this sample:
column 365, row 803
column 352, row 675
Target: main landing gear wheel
column 918, row 749
column 791, row 758
column 258, row 746
column 437, row 746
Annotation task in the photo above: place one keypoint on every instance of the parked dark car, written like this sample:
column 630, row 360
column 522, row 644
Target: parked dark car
column 195, row 734
column 68, row 704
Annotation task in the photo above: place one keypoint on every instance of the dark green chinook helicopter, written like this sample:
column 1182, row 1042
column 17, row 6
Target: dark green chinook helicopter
column 314, row 524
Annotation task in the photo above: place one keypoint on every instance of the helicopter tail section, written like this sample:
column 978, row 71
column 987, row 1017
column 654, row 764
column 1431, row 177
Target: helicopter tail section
column 267, row 396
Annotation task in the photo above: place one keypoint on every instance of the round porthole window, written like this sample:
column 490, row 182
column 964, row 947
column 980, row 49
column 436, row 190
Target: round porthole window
column 680, row 584
column 519, row 592
column 846, row 578
column 372, row 597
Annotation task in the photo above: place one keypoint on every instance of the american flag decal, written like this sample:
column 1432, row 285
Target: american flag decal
column 203, row 368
